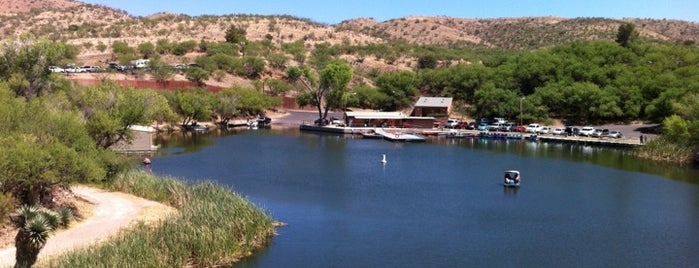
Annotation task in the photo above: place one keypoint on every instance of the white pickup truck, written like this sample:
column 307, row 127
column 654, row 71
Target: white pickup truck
column 532, row 128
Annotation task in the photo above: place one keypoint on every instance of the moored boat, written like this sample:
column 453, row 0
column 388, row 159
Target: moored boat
column 512, row 178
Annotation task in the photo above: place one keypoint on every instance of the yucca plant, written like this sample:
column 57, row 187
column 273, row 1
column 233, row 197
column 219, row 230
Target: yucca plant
column 34, row 225
column 66, row 216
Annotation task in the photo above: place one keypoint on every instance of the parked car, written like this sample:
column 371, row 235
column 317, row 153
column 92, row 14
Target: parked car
column 495, row 126
column 452, row 123
column 544, row 130
column 532, row 128
column 587, row 131
column 558, row 131
column 507, row 127
column 92, row 69
column 614, row 134
column 117, row 67
column 572, row 131
column 56, row 69
column 520, row 129
column 467, row 125
column 483, row 126
column 75, row 69
column 337, row 121
column 600, row 132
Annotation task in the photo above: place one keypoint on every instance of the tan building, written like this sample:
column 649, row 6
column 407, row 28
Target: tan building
column 432, row 106
column 142, row 142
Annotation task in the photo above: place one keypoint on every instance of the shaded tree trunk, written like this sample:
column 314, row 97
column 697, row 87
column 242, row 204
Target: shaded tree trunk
column 27, row 252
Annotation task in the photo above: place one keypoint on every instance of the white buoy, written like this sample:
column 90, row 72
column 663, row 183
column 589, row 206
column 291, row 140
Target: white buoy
column 383, row 160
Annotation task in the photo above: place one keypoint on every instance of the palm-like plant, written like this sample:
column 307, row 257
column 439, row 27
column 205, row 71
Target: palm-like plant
column 35, row 226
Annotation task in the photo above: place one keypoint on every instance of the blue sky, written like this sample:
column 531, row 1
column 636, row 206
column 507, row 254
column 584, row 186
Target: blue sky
column 335, row 11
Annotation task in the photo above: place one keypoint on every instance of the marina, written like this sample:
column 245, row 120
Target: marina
column 417, row 134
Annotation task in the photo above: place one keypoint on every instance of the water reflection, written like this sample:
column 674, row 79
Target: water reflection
column 614, row 157
column 442, row 204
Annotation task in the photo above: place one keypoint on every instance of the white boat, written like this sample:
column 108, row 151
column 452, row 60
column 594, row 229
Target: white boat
column 512, row 178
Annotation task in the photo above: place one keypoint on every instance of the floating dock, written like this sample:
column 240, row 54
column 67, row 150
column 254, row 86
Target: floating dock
column 398, row 135
column 406, row 135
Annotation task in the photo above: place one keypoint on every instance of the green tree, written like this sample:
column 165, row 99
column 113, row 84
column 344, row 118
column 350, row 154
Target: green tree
column 159, row 69
column 329, row 90
column 277, row 87
column 277, row 60
column 490, row 101
column 183, row 47
column 235, row 35
column 428, row 61
column 297, row 49
column 252, row 67
column 252, row 102
column 110, row 111
column 121, row 47
column 294, row 73
column 146, row 50
column 676, row 129
column 192, row 105
column 368, row 97
column 163, row 46
column 197, row 75
column 24, row 64
column 399, row 87
column 226, row 105
column 626, row 34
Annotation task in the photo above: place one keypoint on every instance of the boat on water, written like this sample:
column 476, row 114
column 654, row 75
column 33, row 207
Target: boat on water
column 195, row 127
column 371, row 135
column 263, row 121
column 512, row 178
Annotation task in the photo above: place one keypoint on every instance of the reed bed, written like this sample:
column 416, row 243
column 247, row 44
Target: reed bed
column 660, row 149
column 214, row 227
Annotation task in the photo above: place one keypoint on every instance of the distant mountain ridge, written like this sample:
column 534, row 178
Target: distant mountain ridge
column 85, row 24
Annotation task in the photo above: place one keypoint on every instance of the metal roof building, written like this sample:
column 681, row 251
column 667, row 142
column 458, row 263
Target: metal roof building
column 432, row 106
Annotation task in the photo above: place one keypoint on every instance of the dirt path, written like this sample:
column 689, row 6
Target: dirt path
column 112, row 211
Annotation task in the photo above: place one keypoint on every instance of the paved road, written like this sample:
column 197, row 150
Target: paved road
column 295, row 118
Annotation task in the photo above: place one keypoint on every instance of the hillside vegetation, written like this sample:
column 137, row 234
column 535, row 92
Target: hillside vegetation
column 79, row 23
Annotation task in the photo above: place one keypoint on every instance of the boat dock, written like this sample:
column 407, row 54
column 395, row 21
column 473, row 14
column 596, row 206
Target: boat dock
column 398, row 135
column 417, row 135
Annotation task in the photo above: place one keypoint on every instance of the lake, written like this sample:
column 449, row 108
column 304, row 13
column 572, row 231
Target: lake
column 442, row 203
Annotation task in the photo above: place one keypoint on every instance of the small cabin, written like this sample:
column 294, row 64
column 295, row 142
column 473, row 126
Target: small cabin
column 142, row 142
column 432, row 106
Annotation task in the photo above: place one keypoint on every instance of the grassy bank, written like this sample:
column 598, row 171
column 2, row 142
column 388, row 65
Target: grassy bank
column 660, row 149
column 215, row 226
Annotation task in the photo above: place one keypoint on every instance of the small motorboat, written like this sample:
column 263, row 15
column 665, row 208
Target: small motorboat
column 512, row 178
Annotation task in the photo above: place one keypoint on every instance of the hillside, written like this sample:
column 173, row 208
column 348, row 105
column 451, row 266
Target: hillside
column 514, row 33
column 93, row 28
column 85, row 24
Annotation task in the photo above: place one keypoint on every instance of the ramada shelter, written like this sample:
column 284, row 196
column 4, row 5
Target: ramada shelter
column 386, row 119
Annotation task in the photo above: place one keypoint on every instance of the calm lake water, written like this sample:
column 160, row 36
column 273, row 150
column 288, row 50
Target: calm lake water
column 441, row 203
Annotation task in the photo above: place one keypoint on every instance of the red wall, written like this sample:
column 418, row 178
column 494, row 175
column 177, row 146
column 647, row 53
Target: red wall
column 152, row 84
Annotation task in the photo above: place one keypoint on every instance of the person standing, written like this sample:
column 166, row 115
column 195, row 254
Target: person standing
column 146, row 164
